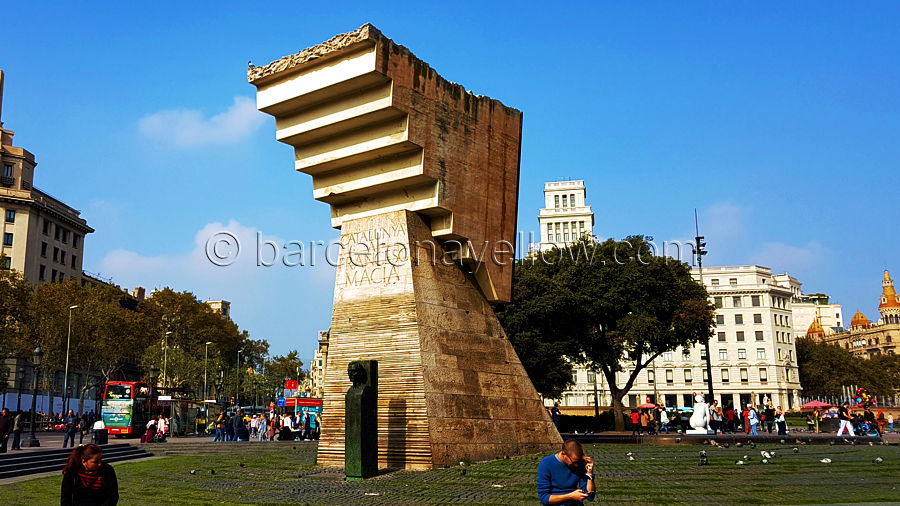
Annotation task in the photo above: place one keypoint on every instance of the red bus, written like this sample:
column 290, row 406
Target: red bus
column 126, row 407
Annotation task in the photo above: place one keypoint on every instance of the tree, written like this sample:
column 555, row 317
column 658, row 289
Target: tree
column 825, row 369
column 14, row 294
column 613, row 304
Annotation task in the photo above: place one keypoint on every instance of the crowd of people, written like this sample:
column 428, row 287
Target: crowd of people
column 271, row 426
column 728, row 420
column 72, row 425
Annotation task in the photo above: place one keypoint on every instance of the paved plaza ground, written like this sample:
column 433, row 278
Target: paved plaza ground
column 254, row 473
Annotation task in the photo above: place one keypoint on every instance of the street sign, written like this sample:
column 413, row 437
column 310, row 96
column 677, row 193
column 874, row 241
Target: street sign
column 290, row 384
column 281, row 401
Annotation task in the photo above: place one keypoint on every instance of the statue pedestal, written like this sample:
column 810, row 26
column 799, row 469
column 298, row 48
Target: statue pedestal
column 700, row 431
column 450, row 385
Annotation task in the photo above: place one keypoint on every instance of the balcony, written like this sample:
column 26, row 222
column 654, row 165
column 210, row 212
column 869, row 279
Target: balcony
column 7, row 181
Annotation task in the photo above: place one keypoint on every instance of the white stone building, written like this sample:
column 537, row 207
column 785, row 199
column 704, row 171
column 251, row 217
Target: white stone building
column 753, row 352
column 813, row 307
column 566, row 217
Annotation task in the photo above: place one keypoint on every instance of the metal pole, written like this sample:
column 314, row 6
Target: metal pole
column 66, row 377
column 166, row 357
column 237, row 381
column 700, row 253
column 19, row 388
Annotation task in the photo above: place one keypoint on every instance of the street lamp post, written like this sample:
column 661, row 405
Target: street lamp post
column 700, row 250
column 205, row 395
column 237, row 382
column 32, row 440
column 21, row 379
column 154, row 373
column 66, row 377
column 166, row 357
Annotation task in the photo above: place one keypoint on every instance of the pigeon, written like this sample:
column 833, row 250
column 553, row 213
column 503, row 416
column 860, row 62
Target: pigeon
column 741, row 463
column 250, row 64
column 871, row 443
column 677, row 439
column 764, row 461
column 766, row 454
column 753, row 445
column 878, row 460
column 795, row 449
column 782, row 441
column 726, row 445
column 629, row 458
column 193, row 471
column 738, row 444
column 212, row 471
column 831, row 442
column 746, row 457
column 826, row 460
column 629, row 453
column 241, row 464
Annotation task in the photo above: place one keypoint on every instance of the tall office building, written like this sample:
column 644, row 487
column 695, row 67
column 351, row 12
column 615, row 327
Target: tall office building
column 566, row 217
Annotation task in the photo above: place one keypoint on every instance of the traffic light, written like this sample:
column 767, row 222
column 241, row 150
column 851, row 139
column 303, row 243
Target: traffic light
column 232, row 399
column 700, row 248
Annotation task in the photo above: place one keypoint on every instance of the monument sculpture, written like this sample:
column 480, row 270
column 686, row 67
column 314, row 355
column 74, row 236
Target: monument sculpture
column 700, row 418
column 361, row 404
column 422, row 178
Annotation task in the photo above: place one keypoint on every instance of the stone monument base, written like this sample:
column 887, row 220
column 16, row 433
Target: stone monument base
column 450, row 384
column 700, row 431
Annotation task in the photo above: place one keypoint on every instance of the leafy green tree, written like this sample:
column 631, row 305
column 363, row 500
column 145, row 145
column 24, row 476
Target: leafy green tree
column 613, row 304
column 825, row 369
column 14, row 294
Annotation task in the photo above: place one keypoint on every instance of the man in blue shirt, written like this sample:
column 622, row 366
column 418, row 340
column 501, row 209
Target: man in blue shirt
column 566, row 477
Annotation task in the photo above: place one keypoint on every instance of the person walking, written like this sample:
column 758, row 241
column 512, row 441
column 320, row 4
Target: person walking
column 844, row 417
column 752, row 420
column 18, row 425
column 769, row 417
column 645, row 422
column 87, row 480
column 6, row 427
column 554, row 414
column 890, row 422
column 635, row 423
column 221, row 420
column 729, row 417
column 881, row 421
column 663, row 421
column 71, row 423
column 781, row 421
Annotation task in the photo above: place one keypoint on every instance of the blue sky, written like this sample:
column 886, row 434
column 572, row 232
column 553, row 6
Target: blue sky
column 778, row 122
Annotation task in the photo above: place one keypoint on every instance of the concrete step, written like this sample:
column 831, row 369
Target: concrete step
column 42, row 461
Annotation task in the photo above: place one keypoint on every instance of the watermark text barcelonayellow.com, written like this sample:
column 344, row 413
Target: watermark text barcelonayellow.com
column 224, row 248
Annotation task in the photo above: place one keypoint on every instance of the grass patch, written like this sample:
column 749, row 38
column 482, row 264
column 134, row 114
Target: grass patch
column 659, row 474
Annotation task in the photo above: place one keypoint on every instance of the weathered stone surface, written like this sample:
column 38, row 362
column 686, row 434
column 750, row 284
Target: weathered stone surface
column 379, row 130
column 444, row 395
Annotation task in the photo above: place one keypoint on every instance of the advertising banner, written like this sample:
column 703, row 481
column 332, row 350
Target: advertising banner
column 117, row 413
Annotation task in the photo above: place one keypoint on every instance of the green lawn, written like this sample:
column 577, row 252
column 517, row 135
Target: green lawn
column 659, row 474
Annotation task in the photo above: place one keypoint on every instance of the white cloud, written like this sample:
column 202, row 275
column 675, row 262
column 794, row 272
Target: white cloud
column 186, row 128
column 796, row 260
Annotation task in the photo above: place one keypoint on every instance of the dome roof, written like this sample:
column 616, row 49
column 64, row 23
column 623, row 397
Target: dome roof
column 889, row 298
column 815, row 329
column 859, row 320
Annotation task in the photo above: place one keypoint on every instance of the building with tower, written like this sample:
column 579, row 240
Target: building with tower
column 565, row 217
column 866, row 339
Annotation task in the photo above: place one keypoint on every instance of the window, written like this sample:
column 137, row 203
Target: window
column 581, row 225
column 10, row 216
column 574, row 376
column 787, row 373
column 46, row 227
column 721, row 337
column 592, row 377
column 667, row 356
column 62, row 257
column 41, row 272
column 738, row 319
column 760, row 353
column 759, row 335
column 53, row 276
column 572, row 200
column 685, row 354
column 44, row 249
column 688, row 376
column 556, row 201
column 705, row 375
column 65, row 236
column 790, row 355
column 718, row 302
column 763, row 374
column 724, row 375
column 7, row 170
column 740, row 336
column 56, row 232
column 61, row 277
column 736, row 301
column 757, row 318
column 702, row 353
column 670, row 376
column 564, row 200
column 7, row 239
column 55, row 254
column 779, row 353
column 651, row 377
column 837, row 316
column 720, row 319
column 754, row 300
column 714, row 282
column 549, row 233
column 732, row 281
column 745, row 377
column 742, row 354
column 7, row 263
column 74, row 260
column 723, row 354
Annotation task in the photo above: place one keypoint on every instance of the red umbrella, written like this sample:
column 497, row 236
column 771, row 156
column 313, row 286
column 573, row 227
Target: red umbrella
column 815, row 405
column 647, row 405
